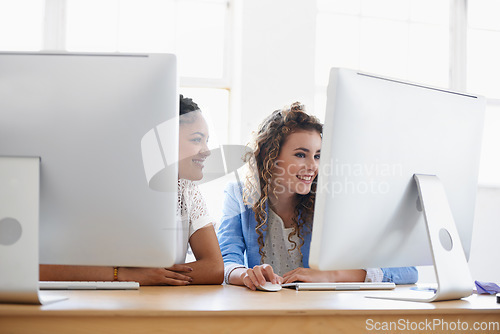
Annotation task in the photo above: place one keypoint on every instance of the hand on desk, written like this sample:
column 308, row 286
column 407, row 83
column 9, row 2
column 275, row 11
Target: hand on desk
column 258, row 275
column 313, row 275
column 305, row 275
column 157, row 276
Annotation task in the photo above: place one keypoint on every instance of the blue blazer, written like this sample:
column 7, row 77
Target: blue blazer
column 239, row 245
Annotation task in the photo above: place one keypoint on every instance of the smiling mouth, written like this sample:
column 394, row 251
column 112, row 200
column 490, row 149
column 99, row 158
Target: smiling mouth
column 306, row 178
column 199, row 162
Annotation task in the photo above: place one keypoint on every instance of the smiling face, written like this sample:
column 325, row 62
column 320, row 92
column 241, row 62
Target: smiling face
column 297, row 163
column 193, row 149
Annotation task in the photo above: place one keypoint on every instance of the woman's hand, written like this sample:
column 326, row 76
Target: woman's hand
column 175, row 275
column 313, row 275
column 259, row 275
column 306, row 275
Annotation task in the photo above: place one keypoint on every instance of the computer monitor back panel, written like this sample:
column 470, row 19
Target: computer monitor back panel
column 85, row 116
column 378, row 133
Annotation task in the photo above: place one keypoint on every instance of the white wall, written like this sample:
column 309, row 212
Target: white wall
column 276, row 67
column 484, row 259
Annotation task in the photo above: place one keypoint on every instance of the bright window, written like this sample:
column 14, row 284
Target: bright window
column 398, row 38
column 195, row 30
column 192, row 29
column 411, row 40
column 483, row 77
column 21, row 25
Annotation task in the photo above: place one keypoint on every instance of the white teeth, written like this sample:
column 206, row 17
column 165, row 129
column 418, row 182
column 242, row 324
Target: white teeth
column 305, row 177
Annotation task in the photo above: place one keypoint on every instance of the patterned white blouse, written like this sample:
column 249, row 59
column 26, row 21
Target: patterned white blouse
column 279, row 254
column 192, row 214
column 278, row 249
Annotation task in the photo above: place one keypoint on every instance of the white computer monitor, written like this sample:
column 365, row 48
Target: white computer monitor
column 103, row 125
column 378, row 133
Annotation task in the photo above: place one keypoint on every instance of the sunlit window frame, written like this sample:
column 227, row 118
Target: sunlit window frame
column 458, row 49
column 54, row 30
column 457, row 56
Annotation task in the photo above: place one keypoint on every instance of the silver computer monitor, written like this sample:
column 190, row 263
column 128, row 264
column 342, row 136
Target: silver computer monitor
column 378, row 133
column 90, row 118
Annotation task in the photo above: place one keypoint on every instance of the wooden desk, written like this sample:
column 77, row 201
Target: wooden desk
column 231, row 309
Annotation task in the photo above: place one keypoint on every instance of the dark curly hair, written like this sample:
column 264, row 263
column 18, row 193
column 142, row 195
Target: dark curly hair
column 186, row 105
column 272, row 133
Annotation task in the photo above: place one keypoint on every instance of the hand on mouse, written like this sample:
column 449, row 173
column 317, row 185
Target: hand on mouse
column 259, row 275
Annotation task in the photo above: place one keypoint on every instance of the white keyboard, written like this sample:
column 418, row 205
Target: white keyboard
column 340, row 286
column 87, row 285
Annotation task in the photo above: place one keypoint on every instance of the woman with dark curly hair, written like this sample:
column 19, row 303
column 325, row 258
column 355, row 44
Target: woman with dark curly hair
column 195, row 226
column 266, row 226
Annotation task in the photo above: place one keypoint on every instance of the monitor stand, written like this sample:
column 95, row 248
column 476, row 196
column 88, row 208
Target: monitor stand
column 454, row 280
column 19, row 212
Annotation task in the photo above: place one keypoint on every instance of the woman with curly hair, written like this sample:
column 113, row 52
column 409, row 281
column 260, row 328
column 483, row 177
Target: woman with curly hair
column 266, row 226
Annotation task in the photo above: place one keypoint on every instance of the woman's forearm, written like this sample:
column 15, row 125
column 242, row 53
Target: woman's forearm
column 235, row 277
column 207, row 271
column 357, row 275
column 208, row 267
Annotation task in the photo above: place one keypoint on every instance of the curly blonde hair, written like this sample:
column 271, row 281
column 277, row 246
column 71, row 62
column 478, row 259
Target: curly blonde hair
column 272, row 133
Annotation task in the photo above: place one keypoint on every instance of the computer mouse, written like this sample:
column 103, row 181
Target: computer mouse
column 269, row 287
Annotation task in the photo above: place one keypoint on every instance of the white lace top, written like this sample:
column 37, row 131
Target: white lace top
column 277, row 247
column 192, row 214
